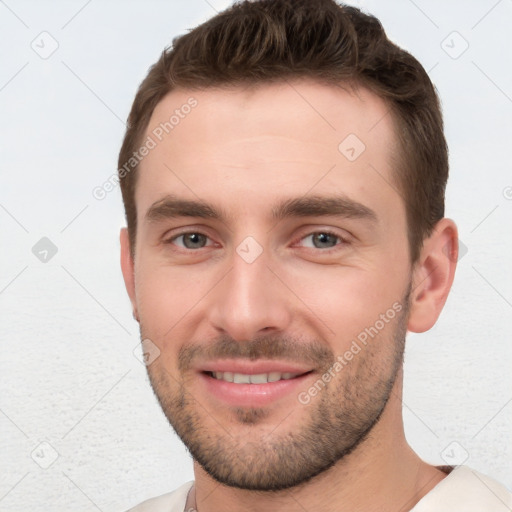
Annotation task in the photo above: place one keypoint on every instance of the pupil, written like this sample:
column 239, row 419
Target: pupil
column 193, row 240
column 324, row 239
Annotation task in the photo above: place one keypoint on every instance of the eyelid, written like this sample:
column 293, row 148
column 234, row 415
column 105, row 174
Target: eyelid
column 344, row 238
column 174, row 238
column 168, row 238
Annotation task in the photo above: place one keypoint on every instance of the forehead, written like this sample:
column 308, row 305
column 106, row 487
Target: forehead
column 284, row 138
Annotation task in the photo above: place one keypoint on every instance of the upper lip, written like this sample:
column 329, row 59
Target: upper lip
column 249, row 367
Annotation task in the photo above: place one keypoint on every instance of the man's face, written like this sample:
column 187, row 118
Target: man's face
column 266, row 251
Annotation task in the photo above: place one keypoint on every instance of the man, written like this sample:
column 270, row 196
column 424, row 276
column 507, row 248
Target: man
column 283, row 177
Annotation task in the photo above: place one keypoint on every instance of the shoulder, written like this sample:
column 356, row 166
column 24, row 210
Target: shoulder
column 172, row 502
column 466, row 490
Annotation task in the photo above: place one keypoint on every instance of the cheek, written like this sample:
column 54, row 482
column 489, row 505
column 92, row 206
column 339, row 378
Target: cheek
column 347, row 300
column 166, row 296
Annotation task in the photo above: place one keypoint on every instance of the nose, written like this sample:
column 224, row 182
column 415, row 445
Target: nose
column 250, row 300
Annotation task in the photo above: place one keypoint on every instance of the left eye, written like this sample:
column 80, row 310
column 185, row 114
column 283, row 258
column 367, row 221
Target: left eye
column 321, row 240
column 191, row 240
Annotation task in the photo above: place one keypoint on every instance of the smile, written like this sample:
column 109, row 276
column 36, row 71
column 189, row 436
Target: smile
column 259, row 378
column 253, row 384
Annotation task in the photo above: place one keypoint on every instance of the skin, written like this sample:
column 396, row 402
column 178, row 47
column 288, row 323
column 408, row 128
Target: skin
column 243, row 151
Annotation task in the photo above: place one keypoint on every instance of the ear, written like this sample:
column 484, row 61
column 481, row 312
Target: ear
column 433, row 276
column 128, row 269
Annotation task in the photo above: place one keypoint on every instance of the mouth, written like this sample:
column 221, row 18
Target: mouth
column 253, row 383
column 258, row 378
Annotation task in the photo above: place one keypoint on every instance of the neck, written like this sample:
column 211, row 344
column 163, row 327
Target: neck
column 382, row 474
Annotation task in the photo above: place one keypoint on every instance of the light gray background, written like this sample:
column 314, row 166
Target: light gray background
column 69, row 376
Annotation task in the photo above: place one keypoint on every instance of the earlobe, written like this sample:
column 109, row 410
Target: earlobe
column 433, row 276
column 128, row 269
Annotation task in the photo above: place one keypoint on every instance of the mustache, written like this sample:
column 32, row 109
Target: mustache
column 271, row 346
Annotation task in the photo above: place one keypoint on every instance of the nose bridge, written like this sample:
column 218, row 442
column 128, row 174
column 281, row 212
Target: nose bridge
column 250, row 298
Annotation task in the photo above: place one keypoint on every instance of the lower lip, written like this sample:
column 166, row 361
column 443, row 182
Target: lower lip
column 253, row 395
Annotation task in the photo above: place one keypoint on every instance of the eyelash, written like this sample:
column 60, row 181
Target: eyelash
column 342, row 240
column 327, row 250
column 175, row 237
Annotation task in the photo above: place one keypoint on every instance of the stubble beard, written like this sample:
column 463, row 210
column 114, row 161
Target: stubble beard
column 338, row 420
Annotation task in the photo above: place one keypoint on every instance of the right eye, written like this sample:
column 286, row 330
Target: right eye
column 190, row 240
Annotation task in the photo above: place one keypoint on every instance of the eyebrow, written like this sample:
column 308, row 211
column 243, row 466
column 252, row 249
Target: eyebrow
column 170, row 207
column 323, row 206
column 311, row 206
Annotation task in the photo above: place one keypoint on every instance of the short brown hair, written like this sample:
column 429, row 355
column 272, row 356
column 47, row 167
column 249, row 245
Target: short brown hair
column 263, row 41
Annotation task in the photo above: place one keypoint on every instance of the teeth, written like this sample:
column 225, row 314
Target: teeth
column 240, row 378
column 274, row 376
column 260, row 378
